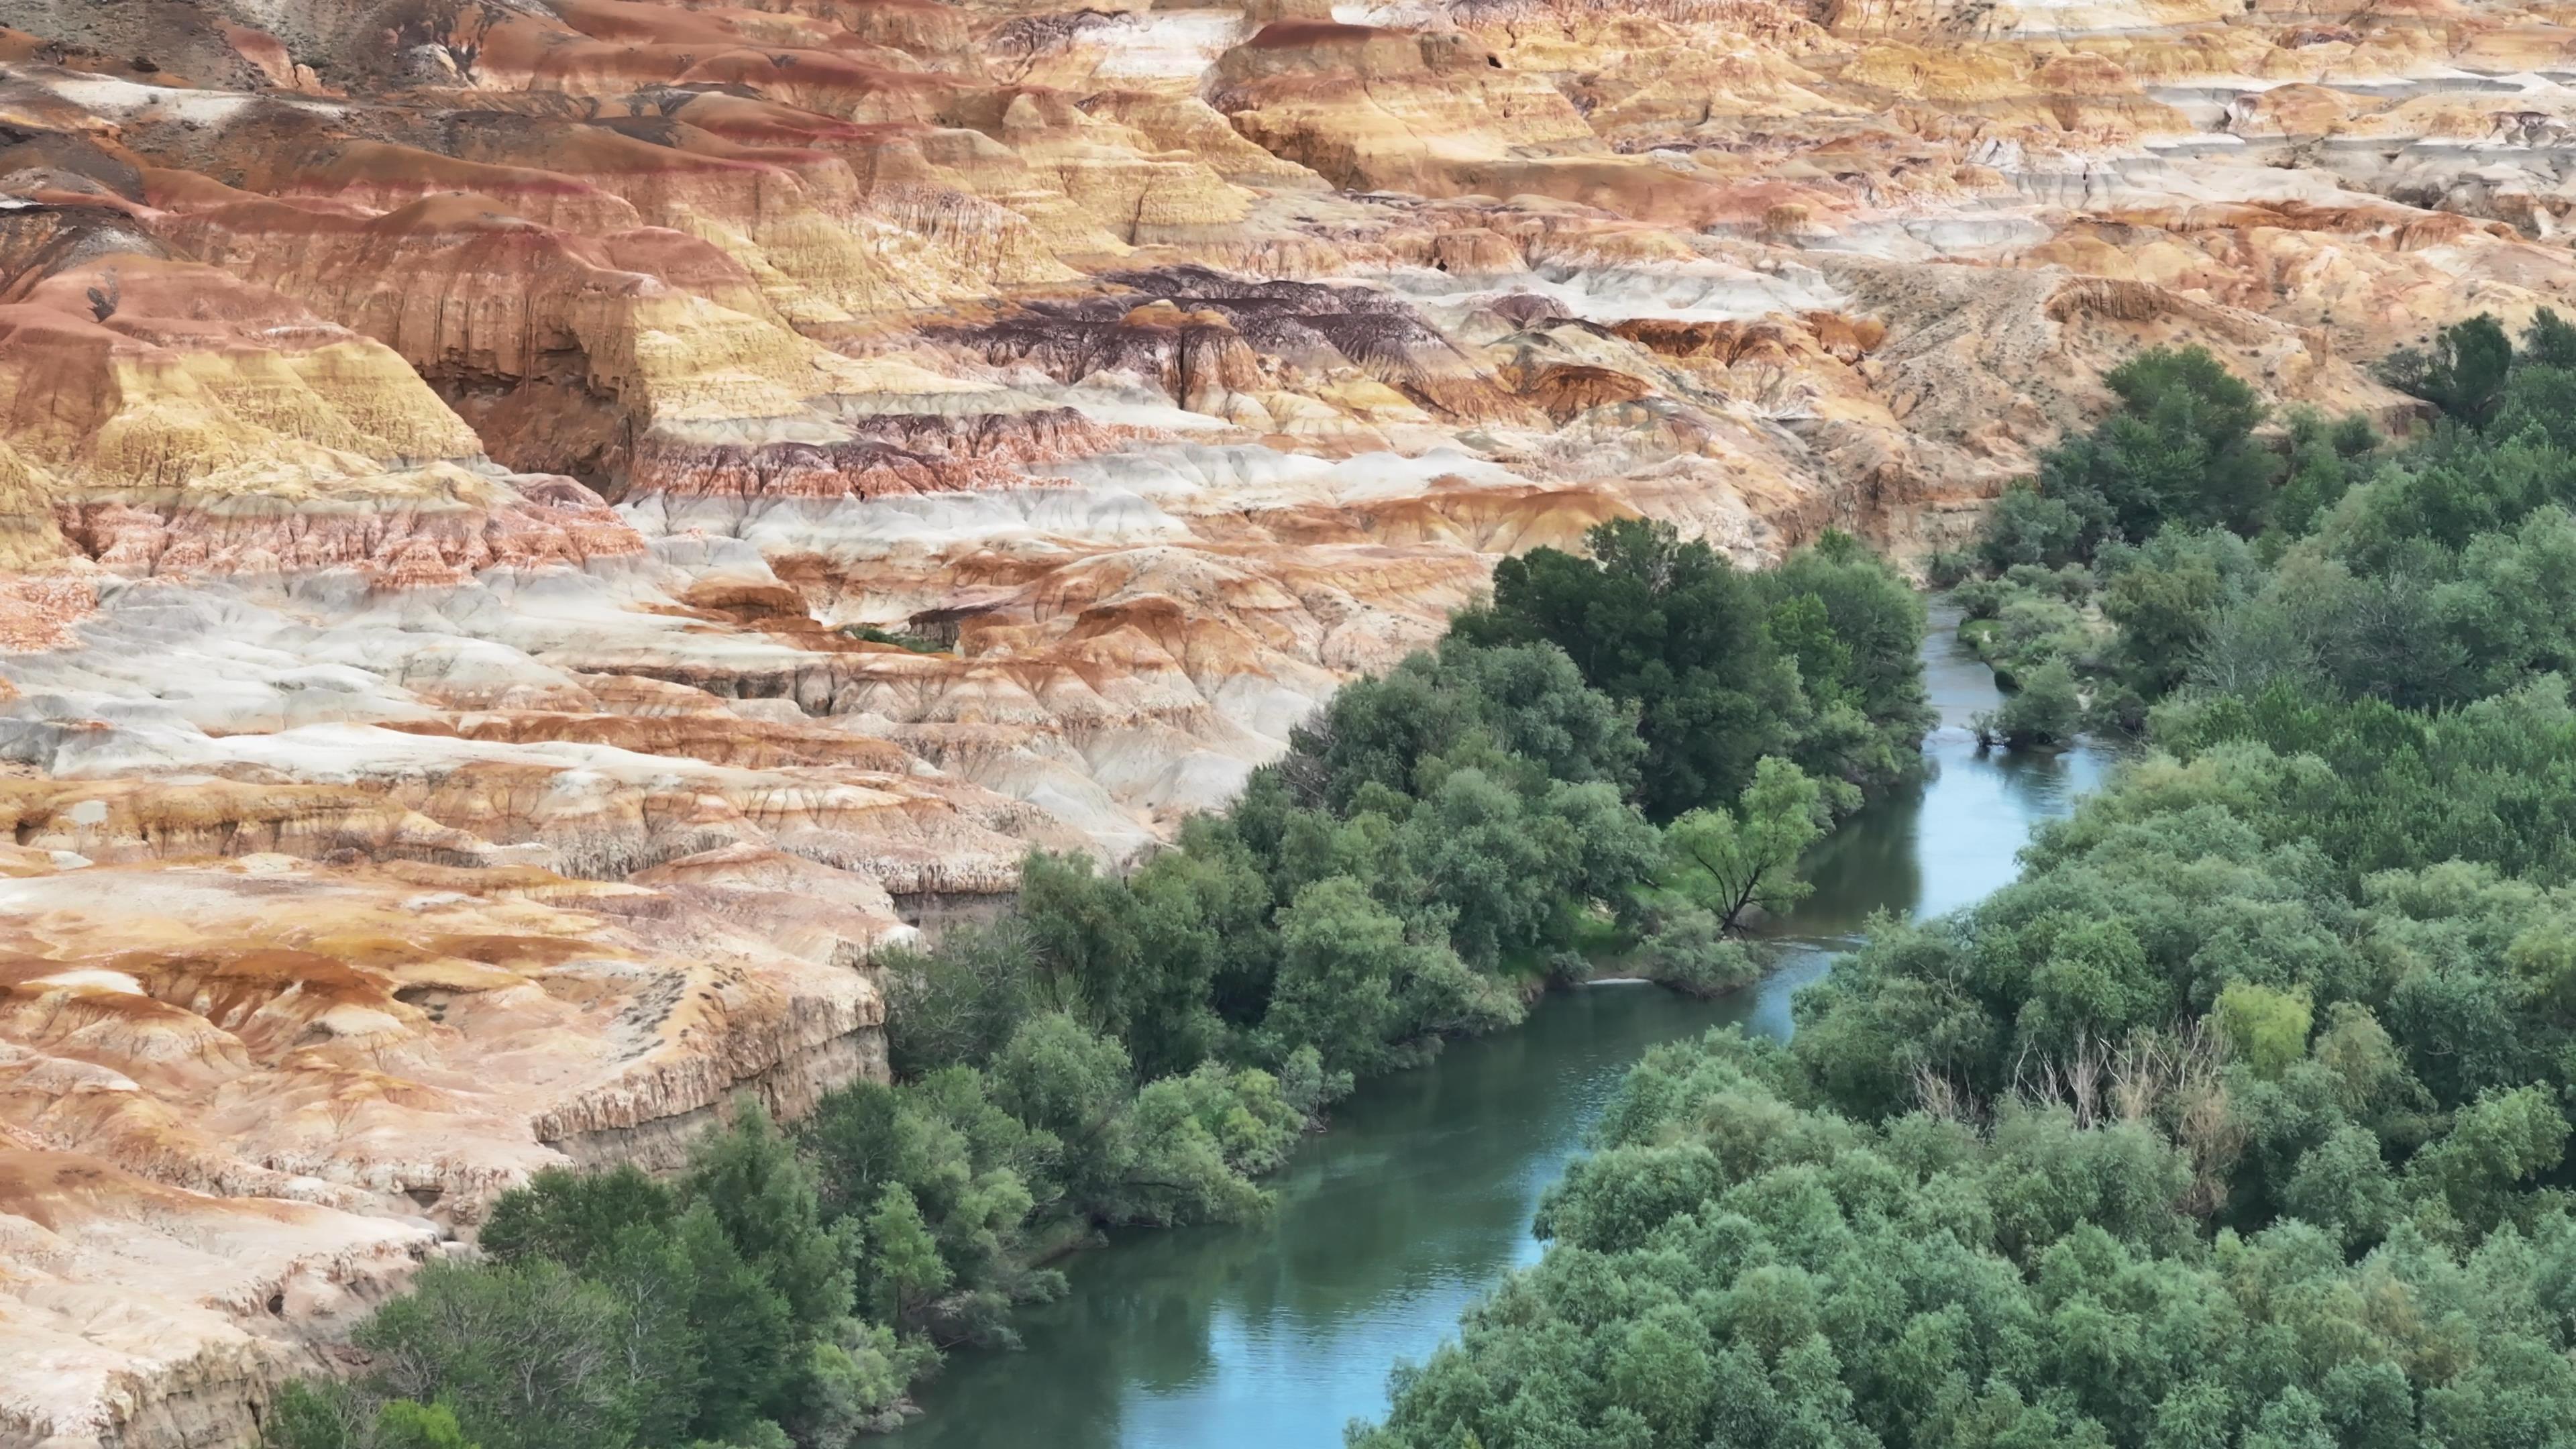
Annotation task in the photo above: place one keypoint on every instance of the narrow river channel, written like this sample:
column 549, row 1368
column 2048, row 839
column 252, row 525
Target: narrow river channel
column 1419, row 1198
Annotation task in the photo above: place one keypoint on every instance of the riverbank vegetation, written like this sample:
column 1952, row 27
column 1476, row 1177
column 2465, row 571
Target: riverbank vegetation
column 1618, row 756
column 2242, row 1117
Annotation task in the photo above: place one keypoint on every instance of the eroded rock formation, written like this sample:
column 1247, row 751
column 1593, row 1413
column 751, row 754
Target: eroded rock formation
column 533, row 531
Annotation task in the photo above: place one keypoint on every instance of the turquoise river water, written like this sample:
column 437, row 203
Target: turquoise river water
column 1419, row 1198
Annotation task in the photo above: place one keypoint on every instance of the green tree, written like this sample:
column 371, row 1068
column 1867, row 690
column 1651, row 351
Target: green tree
column 2264, row 1028
column 1661, row 1369
column 2550, row 341
column 325, row 1415
column 2181, row 449
column 743, row 1328
column 1478, row 850
column 749, row 1176
column 575, row 1218
column 2463, row 373
column 1083, row 929
column 524, row 1356
column 402, row 1424
column 1346, row 967
column 1074, row 1086
column 2025, row 526
column 1197, row 1140
column 2167, row 598
column 905, row 1269
column 2542, row 958
column 2343, row 1183
column 1689, row 950
column 961, row 999
column 2500, row 1141
column 334, row 1416
column 1670, row 627
column 2326, row 460
column 1732, row 862
column 854, row 1383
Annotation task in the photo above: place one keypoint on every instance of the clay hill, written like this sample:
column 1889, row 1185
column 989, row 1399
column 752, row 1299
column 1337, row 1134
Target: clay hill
column 537, row 534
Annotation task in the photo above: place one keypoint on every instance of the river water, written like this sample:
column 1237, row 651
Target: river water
column 1420, row 1196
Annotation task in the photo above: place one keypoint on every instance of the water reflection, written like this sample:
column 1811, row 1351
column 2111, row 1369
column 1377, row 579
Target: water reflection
column 1388, row 1226
column 1420, row 1197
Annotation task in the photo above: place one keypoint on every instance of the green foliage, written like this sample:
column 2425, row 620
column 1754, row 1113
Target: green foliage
column 577, row 1219
column 960, row 1002
column 2462, row 375
column 522, row 1355
column 1814, row 660
column 905, row 1269
column 1354, row 985
column 2428, row 576
column 2499, row 1143
column 917, row 643
column 1060, row 1101
column 402, row 1424
column 334, row 1416
column 2166, row 597
column 2149, row 513
column 2326, row 460
column 2180, row 450
column 763, row 1435
column 1689, row 950
column 1669, row 627
column 1729, row 1267
column 2264, row 1028
column 2025, row 526
column 1527, row 700
column 853, row 1384
column 2027, row 630
column 1728, row 863
column 1945, row 568
column 763, row 1194
column 613, row 1311
column 744, row 1329
column 2239, row 1119
column 2045, row 712
column 976, row 1176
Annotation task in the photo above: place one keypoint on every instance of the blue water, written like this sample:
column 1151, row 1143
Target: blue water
column 1420, row 1197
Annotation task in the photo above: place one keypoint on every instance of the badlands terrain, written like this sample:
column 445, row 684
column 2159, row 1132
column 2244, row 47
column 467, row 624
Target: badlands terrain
column 536, row 534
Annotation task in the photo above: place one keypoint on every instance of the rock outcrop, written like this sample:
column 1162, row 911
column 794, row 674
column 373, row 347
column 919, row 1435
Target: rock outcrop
column 534, row 534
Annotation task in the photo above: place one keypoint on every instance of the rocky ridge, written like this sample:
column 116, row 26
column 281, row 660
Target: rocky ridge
column 535, row 533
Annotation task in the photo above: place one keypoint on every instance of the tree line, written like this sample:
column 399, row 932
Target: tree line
column 1619, row 756
column 2241, row 1117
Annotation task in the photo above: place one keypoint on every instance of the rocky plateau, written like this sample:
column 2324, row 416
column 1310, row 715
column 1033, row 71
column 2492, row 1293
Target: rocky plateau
column 536, row 535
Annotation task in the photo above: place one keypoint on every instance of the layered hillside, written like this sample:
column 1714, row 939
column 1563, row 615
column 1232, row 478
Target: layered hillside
column 537, row 534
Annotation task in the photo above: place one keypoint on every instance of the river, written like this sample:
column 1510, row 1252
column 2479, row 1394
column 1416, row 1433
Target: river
column 1419, row 1198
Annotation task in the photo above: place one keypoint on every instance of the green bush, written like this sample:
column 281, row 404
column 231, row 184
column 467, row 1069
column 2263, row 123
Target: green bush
column 1689, row 950
column 2045, row 712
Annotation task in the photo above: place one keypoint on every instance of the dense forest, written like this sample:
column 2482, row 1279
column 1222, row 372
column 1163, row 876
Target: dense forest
column 1619, row 756
column 2241, row 1118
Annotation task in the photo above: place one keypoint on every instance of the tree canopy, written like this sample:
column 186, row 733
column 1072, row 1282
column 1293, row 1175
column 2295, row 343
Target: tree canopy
column 2241, row 1118
column 1813, row 661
